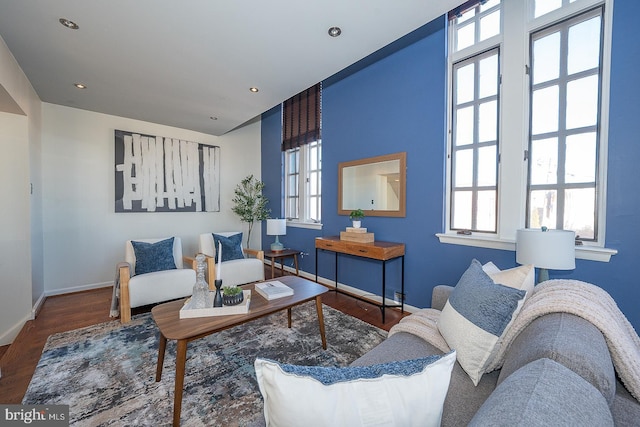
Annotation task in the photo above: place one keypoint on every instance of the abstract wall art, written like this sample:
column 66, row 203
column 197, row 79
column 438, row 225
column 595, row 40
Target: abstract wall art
column 160, row 174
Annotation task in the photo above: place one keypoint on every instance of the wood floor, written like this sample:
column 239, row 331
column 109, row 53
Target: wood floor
column 72, row 311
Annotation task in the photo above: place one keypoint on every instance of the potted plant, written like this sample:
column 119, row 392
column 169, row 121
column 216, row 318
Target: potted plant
column 232, row 295
column 356, row 217
column 250, row 204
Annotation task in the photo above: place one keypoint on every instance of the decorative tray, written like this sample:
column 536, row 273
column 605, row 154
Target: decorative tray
column 186, row 312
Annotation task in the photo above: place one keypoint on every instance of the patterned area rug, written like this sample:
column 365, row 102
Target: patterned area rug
column 106, row 372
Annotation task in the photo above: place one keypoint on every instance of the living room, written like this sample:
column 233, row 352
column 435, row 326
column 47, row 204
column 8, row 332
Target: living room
column 61, row 233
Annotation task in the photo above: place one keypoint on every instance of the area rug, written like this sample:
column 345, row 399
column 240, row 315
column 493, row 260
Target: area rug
column 106, row 372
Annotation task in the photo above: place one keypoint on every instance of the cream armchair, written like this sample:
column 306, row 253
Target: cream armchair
column 158, row 285
column 236, row 271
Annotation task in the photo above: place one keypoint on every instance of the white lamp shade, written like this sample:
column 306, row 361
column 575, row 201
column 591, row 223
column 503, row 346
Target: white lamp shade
column 276, row 227
column 551, row 249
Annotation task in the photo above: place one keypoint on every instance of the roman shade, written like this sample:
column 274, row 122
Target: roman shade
column 301, row 118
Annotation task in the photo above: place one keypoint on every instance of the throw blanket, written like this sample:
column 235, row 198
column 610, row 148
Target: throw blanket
column 115, row 298
column 567, row 296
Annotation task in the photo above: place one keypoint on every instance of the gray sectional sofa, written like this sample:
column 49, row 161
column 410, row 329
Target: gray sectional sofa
column 558, row 371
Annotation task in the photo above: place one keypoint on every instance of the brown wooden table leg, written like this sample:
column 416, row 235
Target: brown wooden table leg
column 181, row 360
column 321, row 321
column 289, row 317
column 282, row 266
column 272, row 271
column 295, row 261
column 162, row 345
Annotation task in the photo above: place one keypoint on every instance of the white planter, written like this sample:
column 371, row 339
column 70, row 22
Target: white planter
column 356, row 224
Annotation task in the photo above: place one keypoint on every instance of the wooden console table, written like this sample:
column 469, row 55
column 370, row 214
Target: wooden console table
column 381, row 251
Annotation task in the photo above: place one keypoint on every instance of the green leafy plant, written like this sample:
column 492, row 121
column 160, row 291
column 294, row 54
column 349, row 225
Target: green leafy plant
column 230, row 291
column 249, row 203
column 356, row 215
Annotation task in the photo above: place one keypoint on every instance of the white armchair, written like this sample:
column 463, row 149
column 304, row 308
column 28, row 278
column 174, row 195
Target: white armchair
column 233, row 272
column 159, row 284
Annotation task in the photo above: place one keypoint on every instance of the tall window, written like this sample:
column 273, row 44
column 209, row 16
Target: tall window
column 528, row 106
column 302, row 151
column 565, row 95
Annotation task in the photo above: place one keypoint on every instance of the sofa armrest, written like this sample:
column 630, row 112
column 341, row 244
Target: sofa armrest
column 255, row 253
column 440, row 295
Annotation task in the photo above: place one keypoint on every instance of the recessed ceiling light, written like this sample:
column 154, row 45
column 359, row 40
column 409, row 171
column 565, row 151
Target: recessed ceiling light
column 213, row 118
column 80, row 85
column 334, row 31
column 254, row 89
column 69, row 24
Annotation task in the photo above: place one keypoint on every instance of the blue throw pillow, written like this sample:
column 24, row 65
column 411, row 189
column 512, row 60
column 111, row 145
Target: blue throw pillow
column 231, row 246
column 476, row 317
column 152, row 257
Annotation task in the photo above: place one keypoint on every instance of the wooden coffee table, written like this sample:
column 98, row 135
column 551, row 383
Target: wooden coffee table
column 167, row 318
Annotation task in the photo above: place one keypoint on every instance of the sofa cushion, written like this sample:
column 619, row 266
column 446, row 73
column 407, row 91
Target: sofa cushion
column 476, row 316
column 625, row 408
column 231, row 246
column 406, row 393
column 569, row 340
column 152, row 257
column 544, row 393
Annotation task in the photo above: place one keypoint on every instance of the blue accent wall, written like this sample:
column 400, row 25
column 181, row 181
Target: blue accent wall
column 395, row 101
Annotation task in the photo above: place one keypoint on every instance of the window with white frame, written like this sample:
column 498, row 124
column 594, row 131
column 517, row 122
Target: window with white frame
column 303, row 177
column 528, row 90
column 302, row 152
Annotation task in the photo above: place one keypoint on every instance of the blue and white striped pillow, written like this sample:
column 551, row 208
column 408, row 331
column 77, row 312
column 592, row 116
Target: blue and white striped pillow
column 476, row 316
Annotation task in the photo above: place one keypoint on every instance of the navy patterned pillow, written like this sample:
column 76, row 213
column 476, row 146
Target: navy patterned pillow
column 152, row 257
column 231, row 246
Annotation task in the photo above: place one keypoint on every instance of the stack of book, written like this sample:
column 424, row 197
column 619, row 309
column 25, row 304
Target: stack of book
column 359, row 235
column 273, row 289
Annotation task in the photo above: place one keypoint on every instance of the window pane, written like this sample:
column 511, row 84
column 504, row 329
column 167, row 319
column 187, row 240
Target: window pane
column 490, row 25
column 464, row 168
column 466, row 16
column 488, row 5
column 487, row 166
column 543, row 208
column 582, row 102
column 546, row 58
column 464, row 84
column 580, row 165
column 488, row 121
column 313, row 208
column 544, row 161
column 545, row 6
column 579, row 212
column 461, row 209
column 584, row 46
column 464, row 126
column 313, row 156
column 293, row 185
column 293, row 208
column 545, row 110
column 486, row 211
column 488, row 76
column 466, row 36
column 293, row 161
column 313, row 184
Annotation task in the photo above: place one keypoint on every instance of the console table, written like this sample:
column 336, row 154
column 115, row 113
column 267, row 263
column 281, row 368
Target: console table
column 381, row 251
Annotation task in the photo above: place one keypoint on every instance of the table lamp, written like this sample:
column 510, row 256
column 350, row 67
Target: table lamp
column 546, row 249
column 276, row 227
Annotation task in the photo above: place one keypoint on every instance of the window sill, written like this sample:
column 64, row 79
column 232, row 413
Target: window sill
column 591, row 253
column 309, row 225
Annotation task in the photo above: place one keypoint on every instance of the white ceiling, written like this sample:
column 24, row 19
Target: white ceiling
column 179, row 63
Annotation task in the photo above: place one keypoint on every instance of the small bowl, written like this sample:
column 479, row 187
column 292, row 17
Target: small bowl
column 233, row 300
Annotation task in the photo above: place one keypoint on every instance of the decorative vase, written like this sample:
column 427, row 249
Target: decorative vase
column 217, row 300
column 356, row 223
column 200, row 296
column 233, row 299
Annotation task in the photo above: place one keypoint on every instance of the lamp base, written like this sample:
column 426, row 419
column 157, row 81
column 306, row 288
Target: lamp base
column 277, row 246
column 543, row 274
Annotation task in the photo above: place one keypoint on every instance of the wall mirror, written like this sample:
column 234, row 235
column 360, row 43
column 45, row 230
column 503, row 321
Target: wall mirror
column 377, row 185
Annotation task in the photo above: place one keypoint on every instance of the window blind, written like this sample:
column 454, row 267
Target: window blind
column 301, row 118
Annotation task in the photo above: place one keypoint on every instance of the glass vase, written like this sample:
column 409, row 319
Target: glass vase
column 200, row 297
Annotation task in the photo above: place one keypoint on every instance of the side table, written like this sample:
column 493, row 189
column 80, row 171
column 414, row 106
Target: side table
column 281, row 255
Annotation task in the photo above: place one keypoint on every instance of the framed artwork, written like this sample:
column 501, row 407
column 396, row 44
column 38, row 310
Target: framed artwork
column 160, row 174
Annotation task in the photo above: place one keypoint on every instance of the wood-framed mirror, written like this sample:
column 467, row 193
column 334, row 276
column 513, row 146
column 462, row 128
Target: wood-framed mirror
column 377, row 185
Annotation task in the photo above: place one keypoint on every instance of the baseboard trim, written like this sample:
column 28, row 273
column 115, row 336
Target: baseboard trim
column 80, row 288
column 10, row 335
column 349, row 289
column 37, row 306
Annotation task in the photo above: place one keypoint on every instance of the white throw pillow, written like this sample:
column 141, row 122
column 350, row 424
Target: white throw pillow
column 522, row 277
column 403, row 393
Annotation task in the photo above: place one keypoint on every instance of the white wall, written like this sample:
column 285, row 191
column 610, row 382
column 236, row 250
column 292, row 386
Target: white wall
column 83, row 237
column 20, row 217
